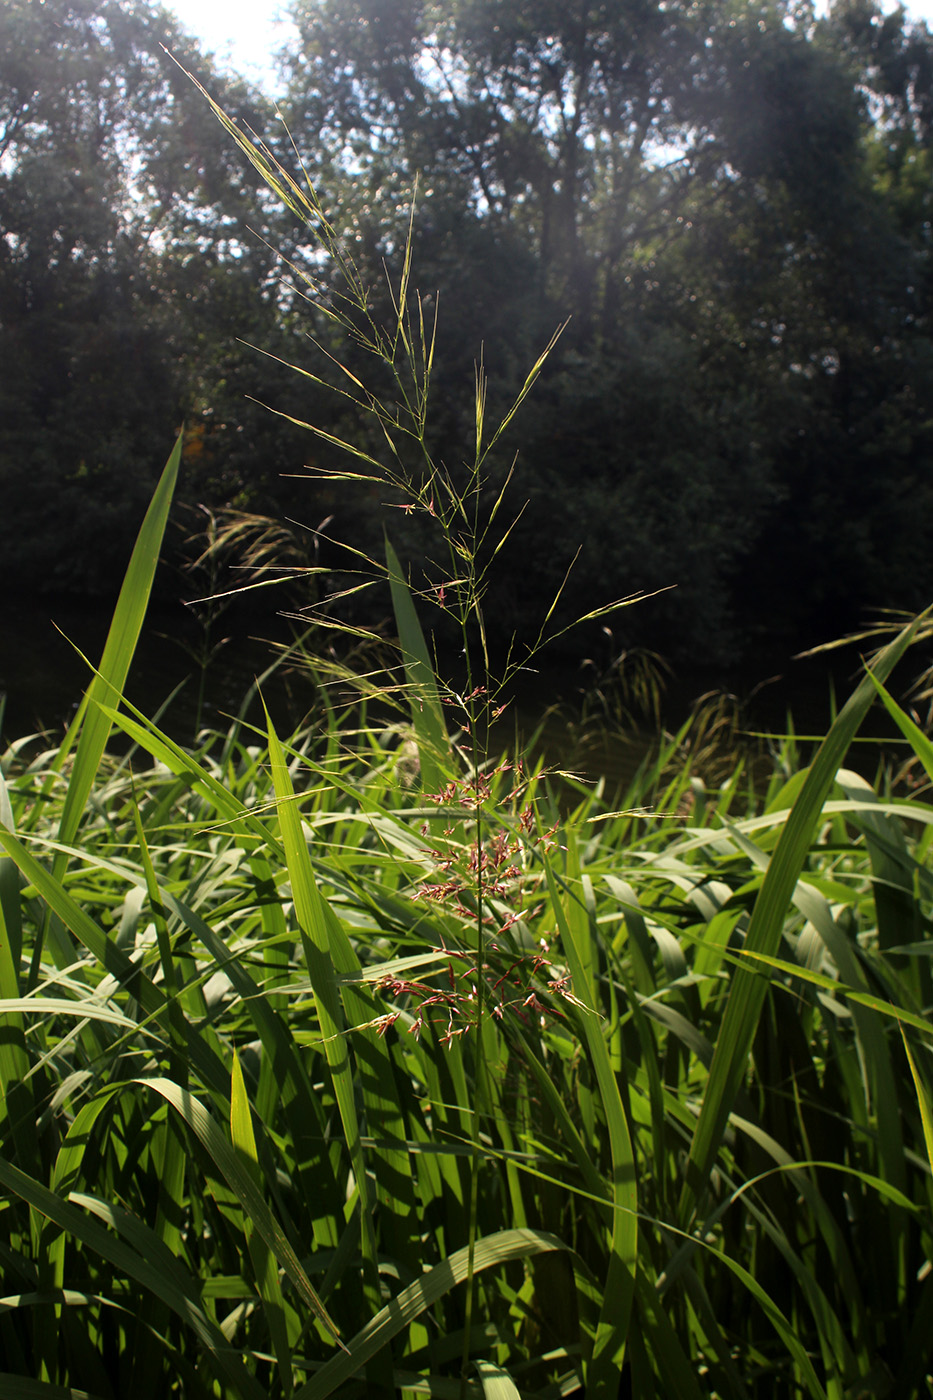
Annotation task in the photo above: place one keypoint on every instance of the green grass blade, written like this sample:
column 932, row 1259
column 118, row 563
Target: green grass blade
column 17, row 1102
column 243, row 1185
column 501, row 1248
column 19, row 1388
column 497, row 1384
column 108, row 683
column 10, row 908
column 919, row 742
column 184, row 765
column 609, row 1349
column 924, row 1099
column 151, row 999
column 426, row 709
column 283, row 1063
column 314, row 927
column 110, row 679
column 672, row 1361
column 299, row 1101
column 748, row 989
column 132, row 1265
column 264, row 1263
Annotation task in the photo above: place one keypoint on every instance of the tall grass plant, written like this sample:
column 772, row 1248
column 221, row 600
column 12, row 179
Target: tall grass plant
column 362, row 1061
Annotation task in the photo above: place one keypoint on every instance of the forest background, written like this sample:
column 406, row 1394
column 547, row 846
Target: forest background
column 731, row 202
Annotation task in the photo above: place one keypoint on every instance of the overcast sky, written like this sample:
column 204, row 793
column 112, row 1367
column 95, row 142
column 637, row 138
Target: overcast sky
column 244, row 33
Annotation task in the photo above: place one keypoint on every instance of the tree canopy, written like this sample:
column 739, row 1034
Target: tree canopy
column 730, row 201
column 124, row 265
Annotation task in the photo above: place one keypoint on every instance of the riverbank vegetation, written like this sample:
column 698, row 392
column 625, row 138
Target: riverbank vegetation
column 353, row 1062
column 373, row 1058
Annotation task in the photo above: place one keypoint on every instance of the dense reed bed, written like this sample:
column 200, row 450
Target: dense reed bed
column 342, row 1065
column 365, row 1061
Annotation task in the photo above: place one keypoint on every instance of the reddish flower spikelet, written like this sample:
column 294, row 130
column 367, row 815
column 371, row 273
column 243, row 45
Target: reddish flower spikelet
column 498, row 874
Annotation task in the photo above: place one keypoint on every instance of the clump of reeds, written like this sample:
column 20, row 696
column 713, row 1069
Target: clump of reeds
column 368, row 1067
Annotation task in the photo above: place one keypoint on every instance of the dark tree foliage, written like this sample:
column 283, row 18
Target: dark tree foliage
column 731, row 202
column 126, row 274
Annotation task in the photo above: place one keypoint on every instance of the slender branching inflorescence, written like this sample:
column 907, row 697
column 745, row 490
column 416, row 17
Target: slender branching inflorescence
column 477, row 858
column 467, row 506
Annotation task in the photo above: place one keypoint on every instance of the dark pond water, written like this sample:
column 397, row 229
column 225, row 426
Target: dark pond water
column 43, row 677
column 43, row 674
